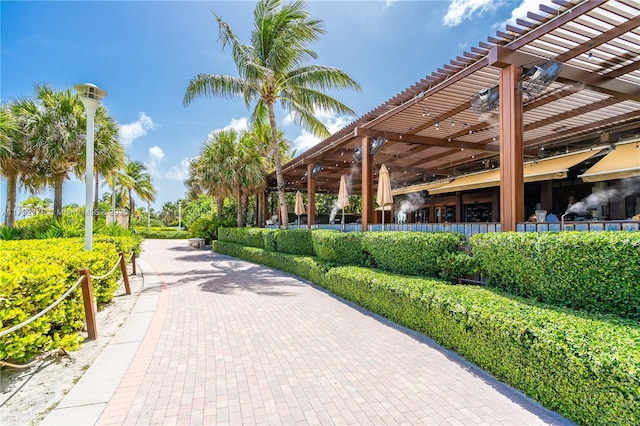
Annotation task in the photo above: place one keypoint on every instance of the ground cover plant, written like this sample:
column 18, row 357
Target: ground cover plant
column 35, row 273
column 584, row 365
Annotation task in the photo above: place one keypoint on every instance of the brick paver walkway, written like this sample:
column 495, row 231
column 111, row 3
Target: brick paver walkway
column 237, row 343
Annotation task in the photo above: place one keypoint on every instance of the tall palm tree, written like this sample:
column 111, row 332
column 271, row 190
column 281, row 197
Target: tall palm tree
column 18, row 167
column 273, row 68
column 109, row 154
column 59, row 139
column 135, row 179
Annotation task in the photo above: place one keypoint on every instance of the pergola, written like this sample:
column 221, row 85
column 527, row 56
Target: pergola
column 433, row 134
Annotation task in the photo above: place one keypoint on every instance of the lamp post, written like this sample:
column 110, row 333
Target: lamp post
column 90, row 95
column 113, row 197
column 179, row 215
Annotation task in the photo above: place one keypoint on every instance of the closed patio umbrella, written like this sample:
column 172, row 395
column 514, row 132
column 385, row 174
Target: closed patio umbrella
column 384, row 196
column 343, row 197
column 299, row 209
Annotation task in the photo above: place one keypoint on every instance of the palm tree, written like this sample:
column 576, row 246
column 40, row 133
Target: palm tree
column 272, row 68
column 16, row 162
column 59, row 138
column 229, row 164
column 135, row 179
column 109, row 153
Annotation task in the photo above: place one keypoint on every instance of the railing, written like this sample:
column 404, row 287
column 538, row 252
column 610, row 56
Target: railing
column 591, row 225
column 472, row 228
column 87, row 298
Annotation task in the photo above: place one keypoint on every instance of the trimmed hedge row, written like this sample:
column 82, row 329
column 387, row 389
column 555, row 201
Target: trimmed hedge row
column 593, row 271
column 35, row 273
column 584, row 366
column 411, row 253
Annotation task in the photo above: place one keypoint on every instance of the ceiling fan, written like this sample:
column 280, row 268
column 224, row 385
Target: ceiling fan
column 539, row 77
column 374, row 147
column 486, row 99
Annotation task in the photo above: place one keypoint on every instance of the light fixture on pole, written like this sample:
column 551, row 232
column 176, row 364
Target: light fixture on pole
column 179, row 215
column 90, row 95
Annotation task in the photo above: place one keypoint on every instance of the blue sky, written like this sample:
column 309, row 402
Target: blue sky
column 143, row 53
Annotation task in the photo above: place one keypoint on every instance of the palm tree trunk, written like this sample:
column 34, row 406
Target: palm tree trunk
column 95, row 199
column 279, row 176
column 10, row 214
column 220, row 206
column 239, row 197
column 131, row 207
column 58, row 180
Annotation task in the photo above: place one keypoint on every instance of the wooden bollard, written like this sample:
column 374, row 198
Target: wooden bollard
column 89, row 307
column 133, row 262
column 125, row 274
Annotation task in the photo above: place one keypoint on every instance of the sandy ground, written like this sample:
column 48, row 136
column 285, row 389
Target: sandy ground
column 27, row 395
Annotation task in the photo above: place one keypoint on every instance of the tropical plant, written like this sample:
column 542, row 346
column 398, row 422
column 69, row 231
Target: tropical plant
column 230, row 165
column 136, row 180
column 273, row 68
column 16, row 156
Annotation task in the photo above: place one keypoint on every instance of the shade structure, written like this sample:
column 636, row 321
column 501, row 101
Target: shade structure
column 427, row 186
column 556, row 167
column 484, row 179
column 384, row 197
column 299, row 207
column 343, row 197
column 534, row 171
column 623, row 162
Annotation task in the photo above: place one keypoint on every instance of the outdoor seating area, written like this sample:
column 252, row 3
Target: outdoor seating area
column 542, row 116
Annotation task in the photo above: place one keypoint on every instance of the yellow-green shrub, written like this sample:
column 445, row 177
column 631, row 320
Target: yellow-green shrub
column 35, row 273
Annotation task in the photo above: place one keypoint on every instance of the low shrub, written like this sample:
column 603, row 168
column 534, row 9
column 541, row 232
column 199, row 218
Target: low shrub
column 410, row 253
column 295, row 241
column 35, row 273
column 204, row 227
column 253, row 237
column 594, row 271
column 173, row 234
column 584, row 366
column 339, row 247
column 456, row 265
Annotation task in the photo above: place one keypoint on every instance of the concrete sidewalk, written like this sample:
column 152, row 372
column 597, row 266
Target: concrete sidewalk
column 217, row 340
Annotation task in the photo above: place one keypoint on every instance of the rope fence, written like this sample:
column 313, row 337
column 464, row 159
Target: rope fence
column 87, row 297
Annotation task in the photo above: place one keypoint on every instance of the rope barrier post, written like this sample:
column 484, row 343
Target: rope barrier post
column 125, row 274
column 89, row 308
column 133, row 262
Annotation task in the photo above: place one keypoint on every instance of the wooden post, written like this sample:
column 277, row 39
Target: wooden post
column 311, row 192
column 89, row 308
column 367, row 185
column 133, row 262
column 125, row 274
column 511, row 149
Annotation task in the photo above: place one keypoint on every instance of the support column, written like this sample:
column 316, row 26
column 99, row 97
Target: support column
column 511, row 151
column 265, row 208
column 311, row 193
column 546, row 198
column 367, row 185
column 459, row 205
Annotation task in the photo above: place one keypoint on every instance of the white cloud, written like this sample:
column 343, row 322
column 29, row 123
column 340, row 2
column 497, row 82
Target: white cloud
column 522, row 9
column 180, row 172
column 306, row 140
column 237, row 124
column 132, row 131
column 460, row 10
column 156, row 154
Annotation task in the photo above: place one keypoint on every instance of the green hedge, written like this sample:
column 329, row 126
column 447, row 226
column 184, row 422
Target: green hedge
column 584, row 366
column 410, row 253
column 295, row 241
column 246, row 236
column 593, row 271
column 339, row 247
column 35, row 273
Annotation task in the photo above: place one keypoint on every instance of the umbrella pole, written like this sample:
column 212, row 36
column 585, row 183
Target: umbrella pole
column 383, row 218
column 298, row 221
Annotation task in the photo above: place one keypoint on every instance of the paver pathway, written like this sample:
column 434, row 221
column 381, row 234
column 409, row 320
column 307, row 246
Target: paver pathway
column 236, row 343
